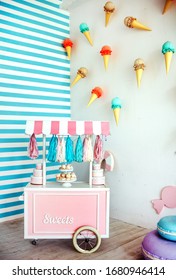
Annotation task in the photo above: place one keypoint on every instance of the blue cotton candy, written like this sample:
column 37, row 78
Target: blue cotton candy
column 52, row 152
column 79, row 150
column 69, row 150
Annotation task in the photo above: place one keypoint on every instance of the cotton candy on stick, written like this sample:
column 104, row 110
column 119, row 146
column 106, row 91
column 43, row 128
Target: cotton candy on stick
column 67, row 44
column 139, row 68
column 95, row 93
column 132, row 22
column 85, row 30
column 116, row 106
column 167, row 5
column 109, row 9
column 106, row 52
column 168, row 50
column 81, row 73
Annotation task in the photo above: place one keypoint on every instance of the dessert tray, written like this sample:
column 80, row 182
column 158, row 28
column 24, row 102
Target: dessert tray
column 66, row 183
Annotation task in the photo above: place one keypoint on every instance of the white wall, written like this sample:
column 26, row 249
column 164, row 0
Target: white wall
column 144, row 143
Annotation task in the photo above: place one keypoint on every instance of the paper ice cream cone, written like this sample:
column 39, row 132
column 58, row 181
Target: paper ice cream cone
column 77, row 78
column 167, row 5
column 107, row 18
column 168, row 58
column 139, row 76
column 116, row 115
column 68, row 50
column 106, row 60
column 92, row 99
column 87, row 35
column 136, row 24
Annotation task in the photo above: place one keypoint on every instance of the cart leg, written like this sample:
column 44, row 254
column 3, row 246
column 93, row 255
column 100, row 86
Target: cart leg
column 86, row 239
column 34, row 242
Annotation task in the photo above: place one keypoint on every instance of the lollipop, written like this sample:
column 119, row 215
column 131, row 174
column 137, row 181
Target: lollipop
column 116, row 106
column 168, row 50
column 67, row 44
column 82, row 73
column 109, row 9
column 85, row 30
column 132, row 22
column 139, row 68
column 96, row 93
column 106, row 52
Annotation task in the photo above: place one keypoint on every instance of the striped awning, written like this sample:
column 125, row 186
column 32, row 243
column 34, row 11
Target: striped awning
column 68, row 127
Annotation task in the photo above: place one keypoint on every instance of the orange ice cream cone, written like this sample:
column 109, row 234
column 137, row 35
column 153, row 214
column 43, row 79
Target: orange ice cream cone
column 67, row 44
column 92, row 99
column 96, row 93
column 106, row 61
column 68, row 50
column 167, row 5
column 106, row 52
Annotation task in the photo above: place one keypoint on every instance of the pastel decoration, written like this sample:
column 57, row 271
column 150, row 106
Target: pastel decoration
column 67, row 44
column 85, row 30
column 168, row 50
column 166, row 227
column 61, row 150
column 116, row 106
column 109, row 9
column 155, row 247
column 52, row 152
column 132, row 22
column 98, row 149
column 108, row 161
column 167, row 5
column 33, row 152
column 95, row 93
column 81, row 73
column 79, row 150
column 87, row 149
column 69, row 150
column 168, row 199
column 106, row 52
column 139, row 68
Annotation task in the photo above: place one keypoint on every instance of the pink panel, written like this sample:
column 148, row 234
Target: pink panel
column 54, row 127
column 105, row 128
column 38, row 125
column 88, row 127
column 72, row 127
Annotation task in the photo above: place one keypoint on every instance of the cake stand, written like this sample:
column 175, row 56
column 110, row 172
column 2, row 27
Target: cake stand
column 66, row 183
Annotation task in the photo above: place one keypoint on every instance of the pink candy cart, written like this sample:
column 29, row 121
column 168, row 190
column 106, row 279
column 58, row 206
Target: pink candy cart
column 79, row 212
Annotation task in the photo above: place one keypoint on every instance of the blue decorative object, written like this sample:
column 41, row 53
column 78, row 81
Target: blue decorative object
column 79, row 150
column 52, row 152
column 69, row 150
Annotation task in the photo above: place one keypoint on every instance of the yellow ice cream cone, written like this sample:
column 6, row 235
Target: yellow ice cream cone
column 106, row 60
column 107, row 18
column 68, row 50
column 92, row 99
column 116, row 114
column 87, row 35
column 77, row 78
column 167, row 5
column 139, row 76
column 168, row 58
column 136, row 24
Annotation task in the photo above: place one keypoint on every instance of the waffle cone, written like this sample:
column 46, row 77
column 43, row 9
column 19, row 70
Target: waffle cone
column 139, row 25
column 87, row 35
column 139, row 76
column 92, row 99
column 77, row 78
column 116, row 115
column 168, row 58
column 68, row 50
column 106, row 60
column 107, row 18
column 167, row 5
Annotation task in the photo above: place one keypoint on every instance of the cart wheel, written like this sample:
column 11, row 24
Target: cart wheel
column 86, row 239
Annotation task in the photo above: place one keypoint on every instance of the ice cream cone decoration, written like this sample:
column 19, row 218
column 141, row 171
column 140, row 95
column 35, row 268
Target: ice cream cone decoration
column 116, row 106
column 82, row 73
column 95, row 93
column 132, row 22
column 109, row 9
column 168, row 50
column 67, row 44
column 139, row 68
column 85, row 30
column 106, row 52
column 167, row 5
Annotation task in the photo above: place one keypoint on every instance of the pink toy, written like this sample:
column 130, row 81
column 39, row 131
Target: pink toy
column 168, row 199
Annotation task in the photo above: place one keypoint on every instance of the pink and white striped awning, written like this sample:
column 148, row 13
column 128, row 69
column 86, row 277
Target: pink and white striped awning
column 67, row 127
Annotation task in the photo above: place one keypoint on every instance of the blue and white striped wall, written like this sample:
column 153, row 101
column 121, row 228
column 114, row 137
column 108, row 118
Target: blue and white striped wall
column 34, row 84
